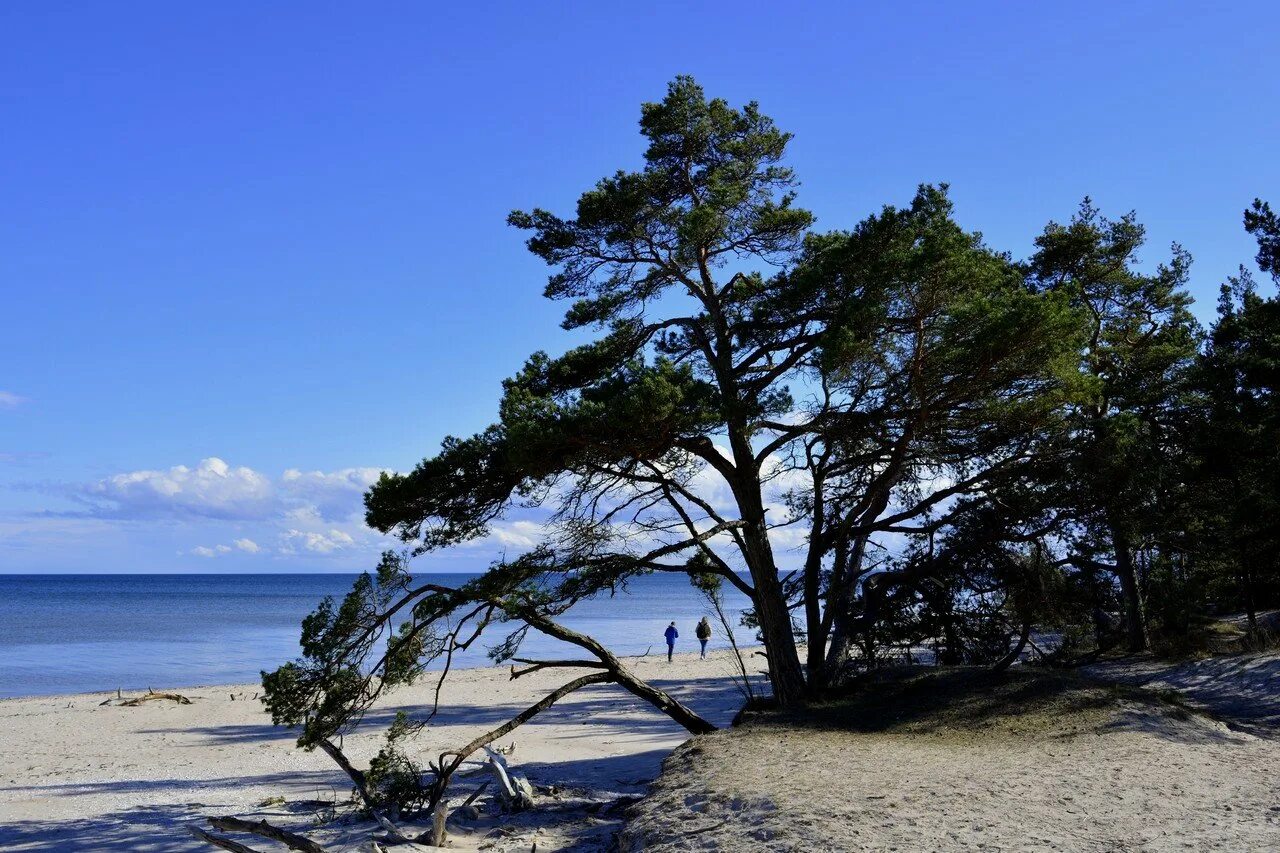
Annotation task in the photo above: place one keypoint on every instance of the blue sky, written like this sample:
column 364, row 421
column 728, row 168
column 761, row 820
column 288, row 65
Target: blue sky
column 252, row 253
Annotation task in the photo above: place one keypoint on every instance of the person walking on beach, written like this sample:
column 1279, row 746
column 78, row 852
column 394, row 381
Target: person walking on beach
column 704, row 633
column 671, row 635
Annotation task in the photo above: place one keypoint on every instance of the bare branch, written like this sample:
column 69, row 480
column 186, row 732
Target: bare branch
column 535, row 665
column 220, row 841
column 265, row 830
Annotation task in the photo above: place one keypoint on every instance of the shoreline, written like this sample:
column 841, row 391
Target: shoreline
column 257, row 685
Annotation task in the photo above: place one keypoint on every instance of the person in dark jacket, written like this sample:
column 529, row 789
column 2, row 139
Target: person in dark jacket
column 704, row 633
column 671, row 635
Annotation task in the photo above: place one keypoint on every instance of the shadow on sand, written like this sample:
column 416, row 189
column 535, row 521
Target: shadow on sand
column 969, row 702
column 148, row 826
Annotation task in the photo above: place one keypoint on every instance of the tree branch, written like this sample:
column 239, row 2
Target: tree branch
column 265, row 830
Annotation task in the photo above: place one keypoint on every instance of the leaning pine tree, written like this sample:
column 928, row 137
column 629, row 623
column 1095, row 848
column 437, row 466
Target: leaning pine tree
column 746, row 378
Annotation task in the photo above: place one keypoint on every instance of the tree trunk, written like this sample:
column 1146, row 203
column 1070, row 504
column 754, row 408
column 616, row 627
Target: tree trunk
column 953, row 653
column 1007, row 661
column 265, row 830
column 841, row 608
column 785, row 673
column 817, row 629
column 663, row 702
column 357, row 777
column 786, row 676
column 1134, row 620
column 1246, row 586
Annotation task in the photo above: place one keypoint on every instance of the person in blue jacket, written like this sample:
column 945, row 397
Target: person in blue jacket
column 671, row 635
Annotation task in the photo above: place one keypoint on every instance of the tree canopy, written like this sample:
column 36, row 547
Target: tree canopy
column 952, row 445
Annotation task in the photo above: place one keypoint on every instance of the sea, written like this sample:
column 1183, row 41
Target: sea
column 88, row 633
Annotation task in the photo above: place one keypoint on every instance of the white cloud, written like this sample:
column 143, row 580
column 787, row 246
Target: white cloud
column 9, row 400
column 219, row 550
column 334, row 495
column 212, row 489
column 315, row 541
column 314, row 512
column 215, row 489
column 515, row 534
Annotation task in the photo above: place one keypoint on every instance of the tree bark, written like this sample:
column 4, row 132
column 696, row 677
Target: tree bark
column 617, row 671
column 220, row 841
column 816, row 653
column 1247, row 587
column 785, row 673
column 1007, row 661
column 1134, row 618
column 954, row 651
column 460, row 755
column 265, row 830
column 356, row 776
column 840, row 606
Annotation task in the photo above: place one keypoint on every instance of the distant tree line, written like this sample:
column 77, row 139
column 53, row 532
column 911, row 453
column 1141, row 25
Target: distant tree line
column 885, row 437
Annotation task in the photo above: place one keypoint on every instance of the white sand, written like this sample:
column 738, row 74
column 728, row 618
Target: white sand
column 75, row 775
column 1106, row 773
column 1117, row 775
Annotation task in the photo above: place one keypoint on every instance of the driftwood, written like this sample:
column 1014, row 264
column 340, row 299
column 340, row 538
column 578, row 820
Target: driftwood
column 438, row 817
column 513, row 789
column 474, row 794
column 394, row 835
column 220, row 841
column 149, row 696
column 261, row 828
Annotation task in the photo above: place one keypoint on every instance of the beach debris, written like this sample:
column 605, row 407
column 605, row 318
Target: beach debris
column 394, row 835
column 439, row 815
column 260, row 828
column 150, row 696
column 514, row 789
column 220, row 841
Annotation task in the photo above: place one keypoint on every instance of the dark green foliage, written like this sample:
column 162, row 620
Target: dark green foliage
column 1236, row 446
column 1263, row 224
column 1120, row 456
column 395, row 781
column 1056, row 438
column 325, row 689
column 712, row 190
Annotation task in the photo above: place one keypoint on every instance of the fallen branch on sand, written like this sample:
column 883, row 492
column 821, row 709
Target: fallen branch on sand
column 260, row 828
column 513, row 789
column 220, row 841
column 149, row 696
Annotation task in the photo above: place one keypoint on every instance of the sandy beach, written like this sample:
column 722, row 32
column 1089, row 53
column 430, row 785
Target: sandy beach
column 78, row 775
column 965, row 761
column 1035, row 761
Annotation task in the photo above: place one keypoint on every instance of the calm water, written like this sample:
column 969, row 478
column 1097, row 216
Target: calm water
column 82, row 633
